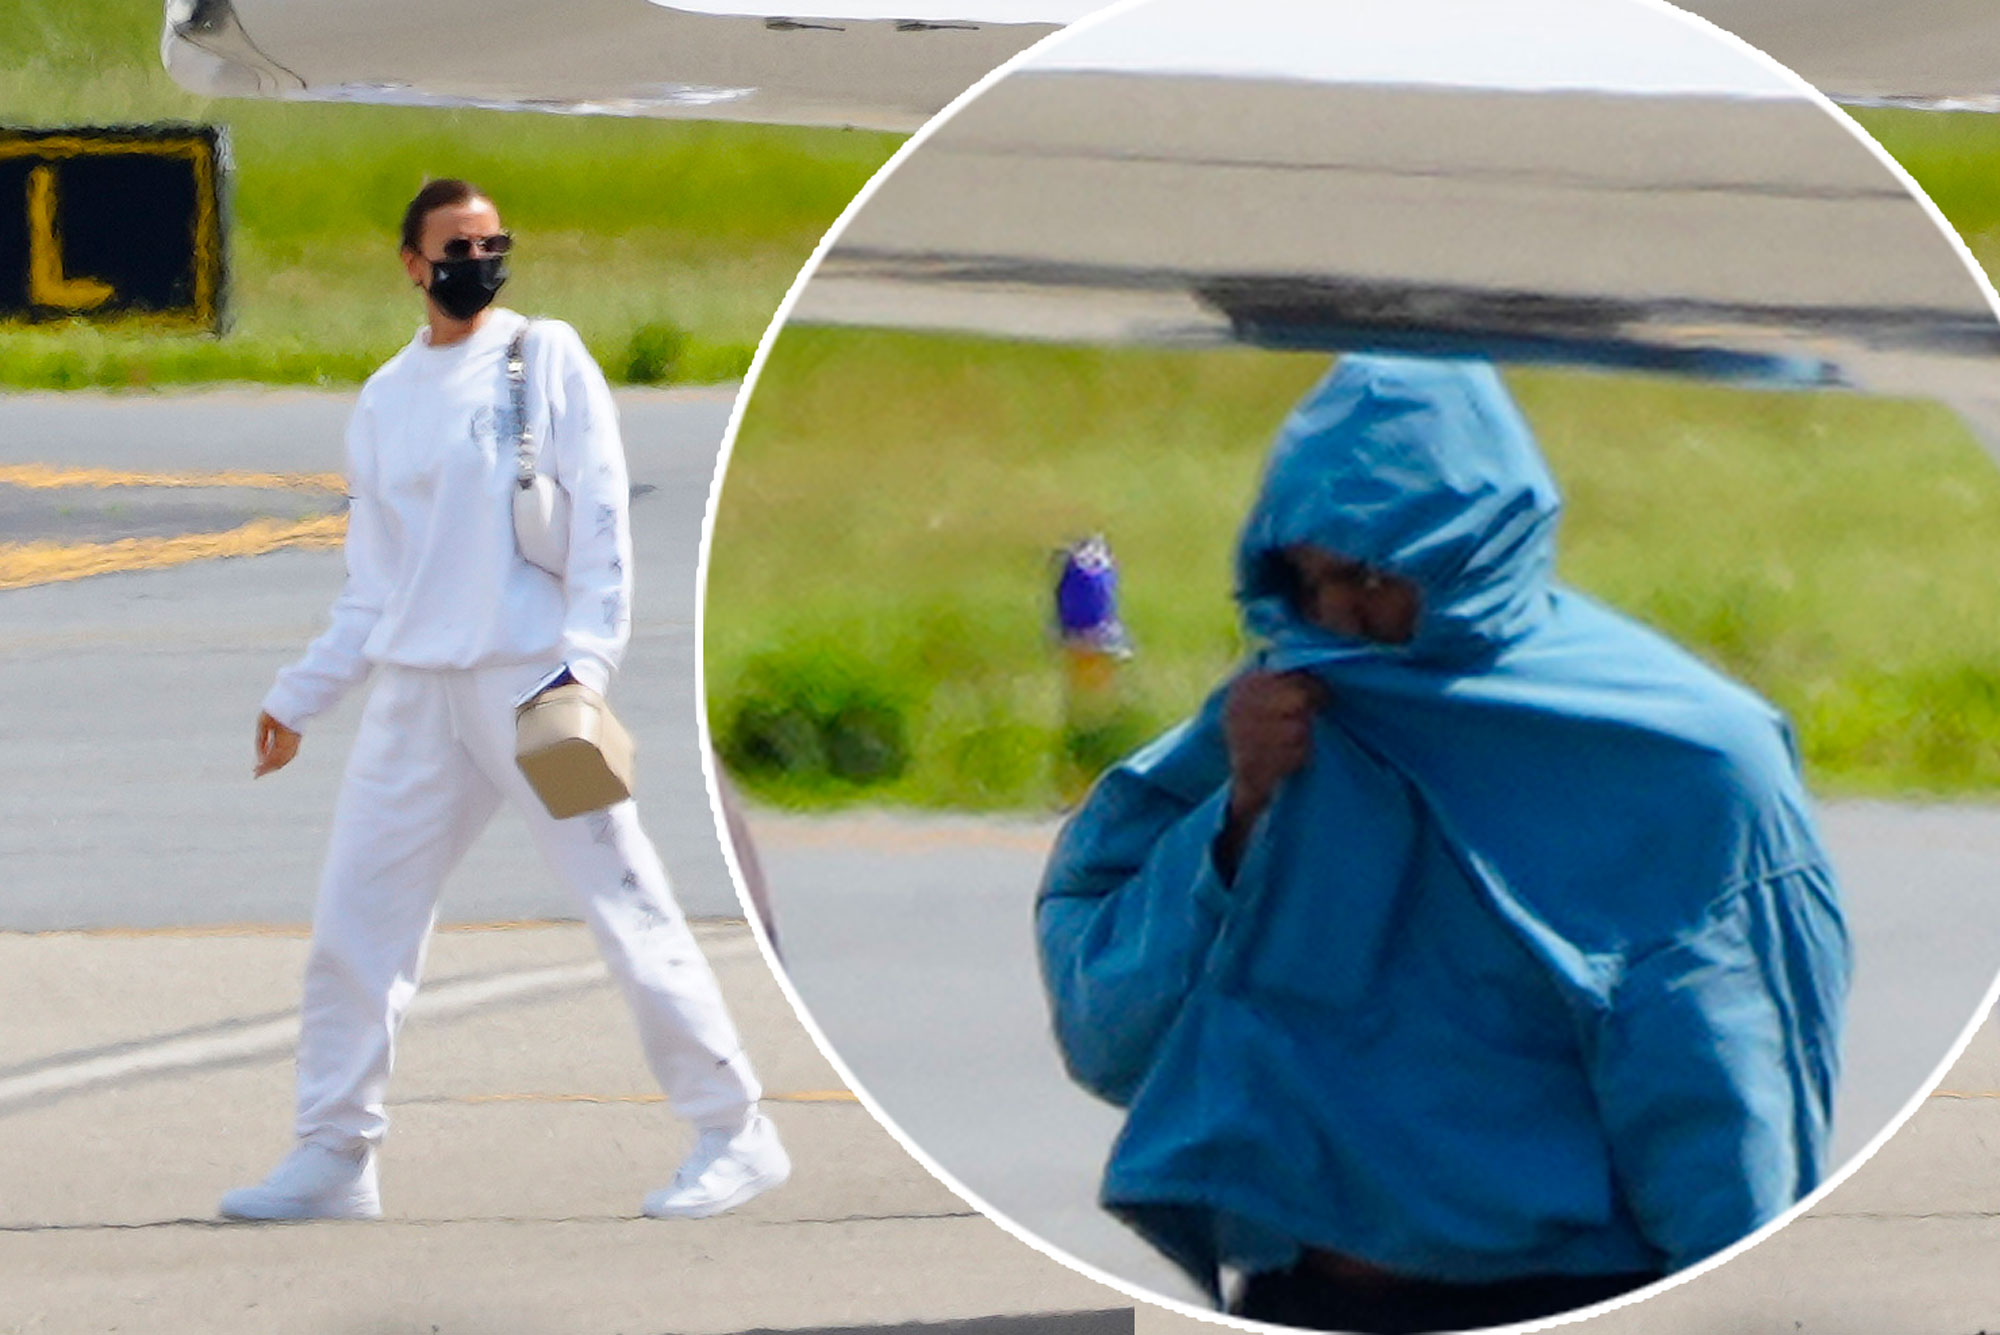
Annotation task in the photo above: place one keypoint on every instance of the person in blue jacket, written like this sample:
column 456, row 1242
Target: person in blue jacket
column 1471, row 955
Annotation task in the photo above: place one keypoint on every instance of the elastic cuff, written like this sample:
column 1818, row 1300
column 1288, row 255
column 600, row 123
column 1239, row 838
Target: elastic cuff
column 592, row 672
column 281, row 705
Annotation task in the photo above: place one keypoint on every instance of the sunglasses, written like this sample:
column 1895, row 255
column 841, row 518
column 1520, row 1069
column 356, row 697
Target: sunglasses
column 462, row 247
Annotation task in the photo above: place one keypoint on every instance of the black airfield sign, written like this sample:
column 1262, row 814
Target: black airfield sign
column 121, row 225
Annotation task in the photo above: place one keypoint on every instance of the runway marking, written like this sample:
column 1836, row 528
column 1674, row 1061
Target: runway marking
column 816, row 1096
column 25, row 564
column 791, row 1096
column 42, row 477
column 275, row 1037
column 383, row 1225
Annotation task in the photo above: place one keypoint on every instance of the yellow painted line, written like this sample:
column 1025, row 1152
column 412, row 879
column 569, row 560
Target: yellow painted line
column 815, row 1096
column 25, row 564
column 791, row 1096
column 71, row 146
column 41, row 477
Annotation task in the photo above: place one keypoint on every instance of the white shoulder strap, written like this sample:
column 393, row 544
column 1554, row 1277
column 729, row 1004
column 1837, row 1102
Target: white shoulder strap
column 517, row 380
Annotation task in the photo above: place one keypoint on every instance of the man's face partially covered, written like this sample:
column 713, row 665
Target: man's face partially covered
column 1349, row 598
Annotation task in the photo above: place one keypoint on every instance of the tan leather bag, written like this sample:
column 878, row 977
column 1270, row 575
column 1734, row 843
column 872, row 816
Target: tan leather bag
column 575, row 754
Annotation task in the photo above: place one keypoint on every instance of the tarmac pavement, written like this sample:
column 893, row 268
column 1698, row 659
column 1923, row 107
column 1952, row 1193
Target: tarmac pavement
column 151, row 946
column 135, row 694
column 150, row 955
column 526, row 1130
column 909, row 940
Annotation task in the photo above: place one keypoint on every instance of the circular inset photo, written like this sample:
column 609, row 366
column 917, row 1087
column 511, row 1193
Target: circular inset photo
column 1356, row 644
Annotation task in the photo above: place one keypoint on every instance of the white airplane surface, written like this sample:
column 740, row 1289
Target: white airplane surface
column 1423, row 175
column 889, row 65
column 859, row 64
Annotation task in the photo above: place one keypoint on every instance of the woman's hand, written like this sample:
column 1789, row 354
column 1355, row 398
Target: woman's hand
column 276, row 745
column 1267, row 721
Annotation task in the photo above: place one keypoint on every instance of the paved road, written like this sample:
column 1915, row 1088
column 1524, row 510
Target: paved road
column 143, row 1071
column 908, row 940
column 143, row 1074
column 145, row 1062
column 134, row 694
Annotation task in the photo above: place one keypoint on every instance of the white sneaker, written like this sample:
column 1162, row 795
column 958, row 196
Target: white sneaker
column 726, row 1168
column 312, row 1182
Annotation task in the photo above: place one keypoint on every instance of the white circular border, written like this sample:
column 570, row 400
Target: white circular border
column 708, row 757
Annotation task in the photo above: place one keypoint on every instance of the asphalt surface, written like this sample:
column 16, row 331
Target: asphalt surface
column 151, row 944
column 144, row 1054
column 108, row 515
column 141, row 1075
column 909, row 942
column 136, row 694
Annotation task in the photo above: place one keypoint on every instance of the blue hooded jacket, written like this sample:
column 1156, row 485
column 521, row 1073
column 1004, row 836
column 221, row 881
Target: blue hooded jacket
column 1537, row 967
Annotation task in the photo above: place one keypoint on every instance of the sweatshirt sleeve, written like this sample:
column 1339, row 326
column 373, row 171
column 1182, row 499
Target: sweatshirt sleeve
column 590, row 465
column 1130, row 907
column 334, row 663
column 1715, row 1066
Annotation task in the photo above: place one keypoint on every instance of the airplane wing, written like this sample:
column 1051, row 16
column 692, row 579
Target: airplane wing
column 887, row 64
column 1424, row 175
column 861, row 63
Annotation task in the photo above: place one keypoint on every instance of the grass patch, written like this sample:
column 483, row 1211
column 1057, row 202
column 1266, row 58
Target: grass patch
column 894, row 498
column 1955, row 157
column 816, row 715
column 624, row 224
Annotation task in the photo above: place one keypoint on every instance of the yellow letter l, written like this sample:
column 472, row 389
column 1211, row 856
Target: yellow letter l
column 46, row 284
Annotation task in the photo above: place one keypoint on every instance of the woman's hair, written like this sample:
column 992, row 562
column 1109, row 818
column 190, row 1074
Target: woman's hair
column 435, row 195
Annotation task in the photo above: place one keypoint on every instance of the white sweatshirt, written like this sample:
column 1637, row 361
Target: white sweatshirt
column 434, row 576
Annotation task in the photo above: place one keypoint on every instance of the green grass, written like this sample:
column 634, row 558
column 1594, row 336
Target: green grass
column 1828, row 550
column 622, row 223
column 893, row 501
column 882, row 563
column 1956, row 159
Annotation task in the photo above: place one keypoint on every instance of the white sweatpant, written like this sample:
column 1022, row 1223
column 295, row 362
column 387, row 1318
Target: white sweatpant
column 434, row 758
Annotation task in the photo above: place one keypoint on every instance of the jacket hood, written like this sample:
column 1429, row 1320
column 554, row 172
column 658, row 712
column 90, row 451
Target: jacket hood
column 1419, row 467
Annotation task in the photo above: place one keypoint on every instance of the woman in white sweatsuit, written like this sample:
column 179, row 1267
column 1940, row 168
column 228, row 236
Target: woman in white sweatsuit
column 460, row 627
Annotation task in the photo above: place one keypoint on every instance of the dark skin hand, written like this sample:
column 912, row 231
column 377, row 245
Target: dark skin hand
column 1267, row 722
column 1267, row 717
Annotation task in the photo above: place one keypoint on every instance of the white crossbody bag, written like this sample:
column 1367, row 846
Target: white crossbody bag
column 541, row 508
column 575, row 754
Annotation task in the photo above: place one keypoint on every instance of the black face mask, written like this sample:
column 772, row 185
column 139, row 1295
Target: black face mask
column 463, row 288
